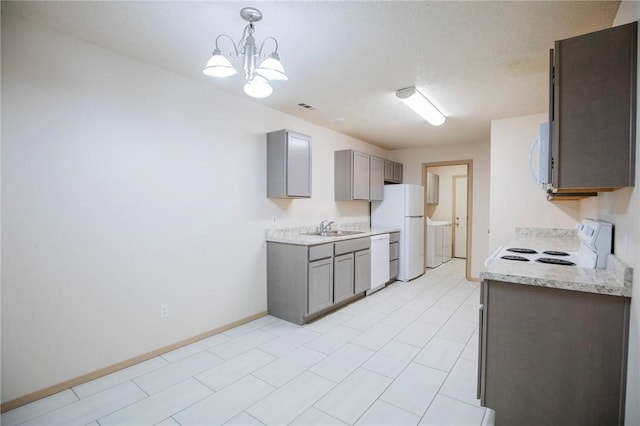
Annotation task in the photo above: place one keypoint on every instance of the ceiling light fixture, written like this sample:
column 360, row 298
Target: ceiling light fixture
column 270, row 68
column 421, row 105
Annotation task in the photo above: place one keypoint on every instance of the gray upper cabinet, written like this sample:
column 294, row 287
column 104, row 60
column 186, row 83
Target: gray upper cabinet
column 433, row 188
column 360, row 176
column 376, row 179
column 351, row 170
column 392, row 172
column 593, row 110
column 288, row 165
column 397, row 172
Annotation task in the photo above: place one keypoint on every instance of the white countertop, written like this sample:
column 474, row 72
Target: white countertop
column 616, row 280
column 297, row 235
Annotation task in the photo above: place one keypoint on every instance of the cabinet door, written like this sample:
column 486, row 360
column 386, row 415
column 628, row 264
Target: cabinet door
column 376, row 179
column 388, row 171
column 397, row 172
column 394, row 269
column 343, row 277
column 320, row 287
column 594, row 108
column 362, row 271
column 360, row 176
column 298, row 165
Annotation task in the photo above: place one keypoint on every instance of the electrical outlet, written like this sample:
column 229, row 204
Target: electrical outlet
column 164, row 310
column 274, row 220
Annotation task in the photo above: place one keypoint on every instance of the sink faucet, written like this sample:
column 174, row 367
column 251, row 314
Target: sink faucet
column 324, row 225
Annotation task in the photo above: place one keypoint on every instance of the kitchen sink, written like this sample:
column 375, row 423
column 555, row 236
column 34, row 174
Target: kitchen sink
column 335, row 233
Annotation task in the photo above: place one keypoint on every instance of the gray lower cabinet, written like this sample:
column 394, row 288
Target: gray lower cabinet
column 362, row 271
column 320, row 287
column 343, row 277
column 552, row 357
column 394, row 255
column 305, row 282
column 288, row 165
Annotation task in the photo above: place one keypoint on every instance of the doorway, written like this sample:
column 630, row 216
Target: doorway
column 451, row 203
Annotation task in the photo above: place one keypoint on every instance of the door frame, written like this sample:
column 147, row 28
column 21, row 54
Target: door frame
column 469, row 164
column 453, row 205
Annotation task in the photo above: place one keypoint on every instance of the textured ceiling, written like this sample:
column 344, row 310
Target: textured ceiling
column 476, row 61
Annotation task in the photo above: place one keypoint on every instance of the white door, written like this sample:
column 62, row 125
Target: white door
column 460, row 217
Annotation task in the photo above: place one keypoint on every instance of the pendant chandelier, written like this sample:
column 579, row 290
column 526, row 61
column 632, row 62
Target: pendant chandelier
column 257, row 77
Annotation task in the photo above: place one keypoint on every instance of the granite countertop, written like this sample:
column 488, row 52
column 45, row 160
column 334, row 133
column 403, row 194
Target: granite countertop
column 616, row 280
column 297, row 235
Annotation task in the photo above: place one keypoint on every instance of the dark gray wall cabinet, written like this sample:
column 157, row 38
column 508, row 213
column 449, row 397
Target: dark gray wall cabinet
column 552, row 357
column 288, row 165
column 593, row 110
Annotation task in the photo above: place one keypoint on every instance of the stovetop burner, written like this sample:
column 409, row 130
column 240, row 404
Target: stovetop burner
column 556, row 253
column 519, row 258
column 553, row 261
column 521, row 250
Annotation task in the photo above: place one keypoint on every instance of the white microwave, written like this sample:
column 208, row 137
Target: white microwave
column 541, row 173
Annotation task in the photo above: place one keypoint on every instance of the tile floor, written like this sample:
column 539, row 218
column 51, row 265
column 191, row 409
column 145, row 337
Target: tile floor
column 405, row 355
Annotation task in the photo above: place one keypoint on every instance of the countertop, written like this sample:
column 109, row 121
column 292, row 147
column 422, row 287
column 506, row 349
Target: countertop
column 296, row 235
column 616, row 280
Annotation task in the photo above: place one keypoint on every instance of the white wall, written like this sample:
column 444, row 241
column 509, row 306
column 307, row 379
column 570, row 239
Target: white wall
column 413, row 159
column 622, row 207
column 125, row 186
column 516, row 200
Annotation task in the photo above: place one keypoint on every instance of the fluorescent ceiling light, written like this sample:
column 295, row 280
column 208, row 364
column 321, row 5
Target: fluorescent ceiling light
column 421, row 105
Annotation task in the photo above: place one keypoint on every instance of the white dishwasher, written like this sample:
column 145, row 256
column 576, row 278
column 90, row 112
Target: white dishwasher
column 379, row 262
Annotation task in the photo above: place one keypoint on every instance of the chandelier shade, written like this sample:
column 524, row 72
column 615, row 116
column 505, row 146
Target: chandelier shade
column 272, row 69
column 257, row 78
column 219, row 66
column 258, row 87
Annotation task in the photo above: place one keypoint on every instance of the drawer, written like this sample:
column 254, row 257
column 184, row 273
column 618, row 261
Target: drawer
column 394, row 251
column 349, row 246
column 394, row 237
column 394, row 269
column 320, row 252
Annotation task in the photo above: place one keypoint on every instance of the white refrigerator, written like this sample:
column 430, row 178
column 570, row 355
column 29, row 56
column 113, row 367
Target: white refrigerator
column 403, row 208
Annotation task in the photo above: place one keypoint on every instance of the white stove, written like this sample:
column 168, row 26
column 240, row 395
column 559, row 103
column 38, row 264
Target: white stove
column 595, row 246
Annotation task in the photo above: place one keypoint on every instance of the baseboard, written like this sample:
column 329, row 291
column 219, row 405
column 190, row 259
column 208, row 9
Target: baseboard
column 34, row 396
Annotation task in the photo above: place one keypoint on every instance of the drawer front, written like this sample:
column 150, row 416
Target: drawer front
column 349, row 246
column 394, row 251
column 321, row 251
column 394, row 269
column 394, row 237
